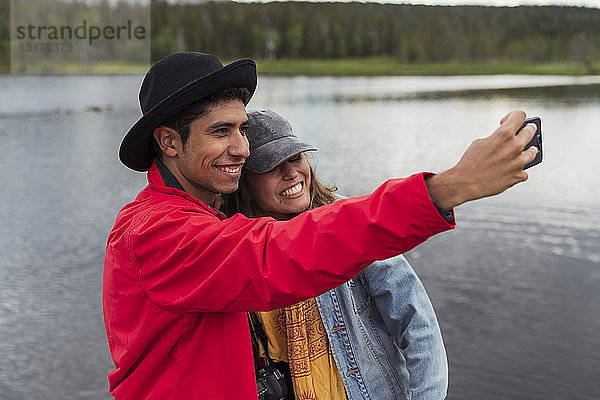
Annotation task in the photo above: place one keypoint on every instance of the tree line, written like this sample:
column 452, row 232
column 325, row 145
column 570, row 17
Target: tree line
column 407, row 33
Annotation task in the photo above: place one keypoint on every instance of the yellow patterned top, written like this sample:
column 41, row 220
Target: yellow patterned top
column 296, row 334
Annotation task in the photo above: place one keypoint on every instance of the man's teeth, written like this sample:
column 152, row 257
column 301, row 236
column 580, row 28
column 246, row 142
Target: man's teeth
column 230, row 170
column 297, row 188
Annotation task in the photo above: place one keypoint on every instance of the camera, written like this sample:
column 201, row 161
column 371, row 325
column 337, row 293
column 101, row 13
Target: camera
column 270, row 384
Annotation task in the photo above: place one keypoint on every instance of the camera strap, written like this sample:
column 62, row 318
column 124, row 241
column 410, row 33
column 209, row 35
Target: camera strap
column 258, row 334
column 276, row 376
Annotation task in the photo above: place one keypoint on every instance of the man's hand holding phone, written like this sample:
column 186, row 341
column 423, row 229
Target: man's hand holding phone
column 490, row 165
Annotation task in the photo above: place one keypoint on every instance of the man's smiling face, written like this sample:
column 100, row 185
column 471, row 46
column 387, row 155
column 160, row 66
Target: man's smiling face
column 212, row 159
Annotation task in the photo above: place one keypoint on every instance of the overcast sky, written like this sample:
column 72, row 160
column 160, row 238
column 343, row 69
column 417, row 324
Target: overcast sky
column 586, row 3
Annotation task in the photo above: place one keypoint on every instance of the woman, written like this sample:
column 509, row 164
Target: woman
column 375, row 337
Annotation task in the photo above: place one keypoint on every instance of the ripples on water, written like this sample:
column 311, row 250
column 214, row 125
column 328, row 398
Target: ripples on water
column 516, row 285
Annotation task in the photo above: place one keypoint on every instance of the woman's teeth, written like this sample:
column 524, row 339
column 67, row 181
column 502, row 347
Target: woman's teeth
column 297, row 188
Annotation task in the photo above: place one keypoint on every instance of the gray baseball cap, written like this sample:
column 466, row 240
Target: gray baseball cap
column 271, row 141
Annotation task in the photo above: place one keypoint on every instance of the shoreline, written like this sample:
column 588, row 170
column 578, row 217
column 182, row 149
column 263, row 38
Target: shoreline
column 354, row 67
column 390, row 67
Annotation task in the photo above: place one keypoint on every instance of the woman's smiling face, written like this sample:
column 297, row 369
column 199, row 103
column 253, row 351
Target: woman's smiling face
column 284, row 191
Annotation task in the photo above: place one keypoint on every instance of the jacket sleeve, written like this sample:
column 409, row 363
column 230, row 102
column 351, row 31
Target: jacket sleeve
column 190, row 261
column 408, row 314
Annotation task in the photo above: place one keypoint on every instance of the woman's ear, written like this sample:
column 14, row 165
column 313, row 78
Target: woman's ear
column 168, row 140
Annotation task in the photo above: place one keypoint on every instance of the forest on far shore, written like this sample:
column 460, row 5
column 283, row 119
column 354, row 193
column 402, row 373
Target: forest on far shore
column 408, row 34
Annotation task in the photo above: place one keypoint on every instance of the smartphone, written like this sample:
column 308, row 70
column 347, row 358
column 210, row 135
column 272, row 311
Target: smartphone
column 536, row 141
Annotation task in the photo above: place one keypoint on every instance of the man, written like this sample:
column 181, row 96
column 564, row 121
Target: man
column 179, row 276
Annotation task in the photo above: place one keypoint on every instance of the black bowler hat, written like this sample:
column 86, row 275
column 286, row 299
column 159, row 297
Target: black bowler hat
column 171, row 85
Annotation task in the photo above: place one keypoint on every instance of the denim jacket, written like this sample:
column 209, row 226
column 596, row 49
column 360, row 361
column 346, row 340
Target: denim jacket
column 384, row 335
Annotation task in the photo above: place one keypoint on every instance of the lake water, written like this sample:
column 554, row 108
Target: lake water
column 516, row 285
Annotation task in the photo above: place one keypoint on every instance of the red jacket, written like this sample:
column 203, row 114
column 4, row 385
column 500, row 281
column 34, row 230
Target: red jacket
column 179, row 277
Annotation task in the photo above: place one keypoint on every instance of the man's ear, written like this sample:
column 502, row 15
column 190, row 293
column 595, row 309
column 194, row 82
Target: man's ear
column 168, row 140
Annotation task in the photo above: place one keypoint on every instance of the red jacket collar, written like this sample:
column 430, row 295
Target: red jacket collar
column 156, row 182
